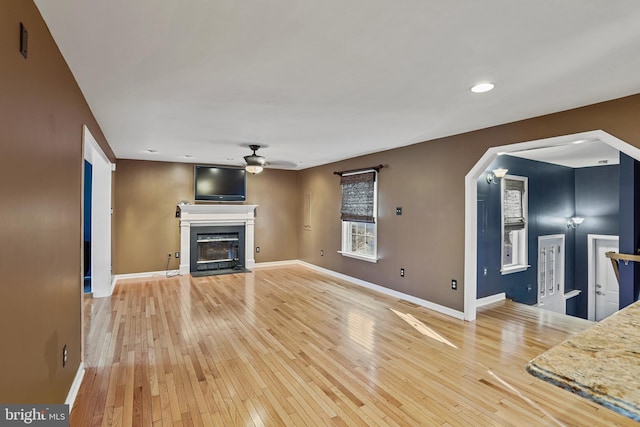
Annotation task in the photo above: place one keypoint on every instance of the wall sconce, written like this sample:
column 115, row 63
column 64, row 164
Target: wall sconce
column 575, row 222
column 492, row 177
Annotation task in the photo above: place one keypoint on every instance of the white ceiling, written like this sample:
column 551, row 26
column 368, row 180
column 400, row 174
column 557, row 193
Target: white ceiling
column 578, row 154
column 319, row 81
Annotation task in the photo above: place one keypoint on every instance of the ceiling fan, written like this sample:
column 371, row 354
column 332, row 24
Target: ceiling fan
column 255, row 163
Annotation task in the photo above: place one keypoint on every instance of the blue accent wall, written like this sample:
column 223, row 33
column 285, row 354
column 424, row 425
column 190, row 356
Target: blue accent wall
column 88, row 183
column 555, row 194
column 629, row 228
column 550, row 202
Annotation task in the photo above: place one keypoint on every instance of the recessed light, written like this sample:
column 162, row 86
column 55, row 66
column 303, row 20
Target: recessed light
column 482, row 87
column 580, row 141
column 152, row 151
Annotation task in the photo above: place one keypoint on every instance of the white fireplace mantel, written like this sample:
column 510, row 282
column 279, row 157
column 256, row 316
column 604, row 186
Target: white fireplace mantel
column 215, row 215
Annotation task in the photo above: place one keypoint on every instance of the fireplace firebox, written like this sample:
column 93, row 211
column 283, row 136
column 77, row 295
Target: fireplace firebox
column 217, row 250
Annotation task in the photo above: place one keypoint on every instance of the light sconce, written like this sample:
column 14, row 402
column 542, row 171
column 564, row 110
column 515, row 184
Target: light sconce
column 492, row 177
column 575, row 222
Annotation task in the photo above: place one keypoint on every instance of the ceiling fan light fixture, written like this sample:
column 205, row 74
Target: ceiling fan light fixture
column 255, row 163
column 254, row 169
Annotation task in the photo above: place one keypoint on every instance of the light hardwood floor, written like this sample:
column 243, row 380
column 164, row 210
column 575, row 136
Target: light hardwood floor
column 290, row 346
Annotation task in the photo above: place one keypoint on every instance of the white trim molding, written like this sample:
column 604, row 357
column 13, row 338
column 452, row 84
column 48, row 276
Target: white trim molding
column 572, row 293
column 161, row 273
column 421, row 302
column 75, row 387
column 276, row 263
column 591, row 270
column 480, row 302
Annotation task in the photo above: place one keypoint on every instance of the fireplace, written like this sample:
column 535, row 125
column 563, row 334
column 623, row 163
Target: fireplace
column 217, row 250
column 227, row 237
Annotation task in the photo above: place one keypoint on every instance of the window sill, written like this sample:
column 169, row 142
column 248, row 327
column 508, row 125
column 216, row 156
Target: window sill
column 514, row 269
column 358, row 256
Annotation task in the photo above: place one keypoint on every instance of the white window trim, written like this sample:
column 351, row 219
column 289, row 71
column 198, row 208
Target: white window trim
column 358, row 256
column 346, row 234
column 515, row 268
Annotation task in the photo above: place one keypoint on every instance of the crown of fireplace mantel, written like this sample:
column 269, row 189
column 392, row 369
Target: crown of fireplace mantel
column 201, row 211
column 212, row 215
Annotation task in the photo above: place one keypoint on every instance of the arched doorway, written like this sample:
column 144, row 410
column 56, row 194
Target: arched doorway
column 471, row 197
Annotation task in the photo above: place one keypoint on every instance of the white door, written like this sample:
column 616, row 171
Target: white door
column 551, row 273
column 607, row 288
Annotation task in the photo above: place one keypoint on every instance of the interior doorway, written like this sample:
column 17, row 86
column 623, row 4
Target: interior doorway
column 100, row 228
column 471, row 196
column 603, row 289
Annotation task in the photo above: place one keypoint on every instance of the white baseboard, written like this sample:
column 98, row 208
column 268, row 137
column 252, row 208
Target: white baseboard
column 75, row 387
column 490, row 299
column 421, row 302
column 110, row 292
column 161, row 273
column 276, row 263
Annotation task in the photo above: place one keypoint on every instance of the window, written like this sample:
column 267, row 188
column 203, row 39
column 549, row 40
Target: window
column 514, row 224
column 358, row 214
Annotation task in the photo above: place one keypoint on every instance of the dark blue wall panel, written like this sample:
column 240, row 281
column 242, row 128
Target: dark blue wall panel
column 629, row 228
column 88, row 184
column 551, row 202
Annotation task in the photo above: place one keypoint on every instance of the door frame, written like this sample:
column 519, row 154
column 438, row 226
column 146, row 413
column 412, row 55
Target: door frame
column 592, row 239
column 102, row 278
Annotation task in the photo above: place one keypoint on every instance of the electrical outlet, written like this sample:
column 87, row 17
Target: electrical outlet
column 177, row 254
column 257, row 249
column 169, row 255
column 321, row 252
column 454, row 284
column 402, row 272
column 484, row 271
column 65, row 355
column 398, row 211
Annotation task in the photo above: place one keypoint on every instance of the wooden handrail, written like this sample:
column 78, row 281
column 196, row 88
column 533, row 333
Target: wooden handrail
column 616, row 258
column 623, row 257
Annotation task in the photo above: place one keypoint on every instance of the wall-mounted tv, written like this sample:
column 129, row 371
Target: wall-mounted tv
column 218, row 184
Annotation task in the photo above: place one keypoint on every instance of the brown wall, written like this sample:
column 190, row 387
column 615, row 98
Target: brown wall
column 427, row 181
column 41, row 115
column 277, row 223
column 146, row 229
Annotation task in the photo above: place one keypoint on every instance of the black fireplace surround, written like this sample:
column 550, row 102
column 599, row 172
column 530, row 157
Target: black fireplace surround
column 217, row 250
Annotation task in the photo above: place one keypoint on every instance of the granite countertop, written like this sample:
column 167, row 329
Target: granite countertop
column 601, row 363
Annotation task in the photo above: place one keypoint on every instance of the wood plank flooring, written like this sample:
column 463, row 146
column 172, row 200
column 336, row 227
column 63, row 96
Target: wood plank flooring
column 290, row 346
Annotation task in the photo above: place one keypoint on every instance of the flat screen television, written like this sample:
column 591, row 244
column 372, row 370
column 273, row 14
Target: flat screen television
column 218, row 184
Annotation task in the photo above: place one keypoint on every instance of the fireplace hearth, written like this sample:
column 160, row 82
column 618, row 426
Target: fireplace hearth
column 227, row 238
